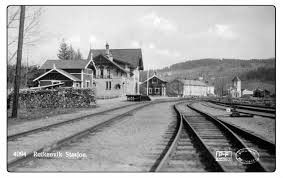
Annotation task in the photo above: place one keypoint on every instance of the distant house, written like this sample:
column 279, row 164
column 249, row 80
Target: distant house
column 246, row 92
column 180, row 87
column 112, row 72
column 260, row 93
column 156, row 86
column 235, row 90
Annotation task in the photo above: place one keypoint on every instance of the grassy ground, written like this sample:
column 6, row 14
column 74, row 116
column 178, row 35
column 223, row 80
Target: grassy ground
column 25, row 115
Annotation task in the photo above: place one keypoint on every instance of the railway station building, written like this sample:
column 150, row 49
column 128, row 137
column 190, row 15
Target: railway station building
column 112, row 72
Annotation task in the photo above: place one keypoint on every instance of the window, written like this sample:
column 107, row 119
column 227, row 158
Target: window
column 117, row 86
column 150, row 91
column 157, row 90
column 87, row 83
column 108, row 85
column 101, row 72
column 108, row 73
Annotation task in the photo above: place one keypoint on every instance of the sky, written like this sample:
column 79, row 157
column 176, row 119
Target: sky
column 166, row 34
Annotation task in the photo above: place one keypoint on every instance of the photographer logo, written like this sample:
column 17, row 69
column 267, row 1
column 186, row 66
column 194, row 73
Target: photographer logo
column 223, row 155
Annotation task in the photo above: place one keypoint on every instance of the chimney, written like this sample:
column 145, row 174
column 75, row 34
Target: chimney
column 107, row 52
column 107, row 49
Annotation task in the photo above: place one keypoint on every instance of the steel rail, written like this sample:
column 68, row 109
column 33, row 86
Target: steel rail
column 249, row 107
column 173, row 144
column 264, row 145
column 253, row 137
column 39, row 129
column 170, row 151
column 74, row 137
column 257, row 166
column 241, row 111
column 210, row 154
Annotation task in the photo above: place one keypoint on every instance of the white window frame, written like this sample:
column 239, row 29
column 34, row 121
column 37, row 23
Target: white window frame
column 109, row 85
column 149, row 90
column 87, row 83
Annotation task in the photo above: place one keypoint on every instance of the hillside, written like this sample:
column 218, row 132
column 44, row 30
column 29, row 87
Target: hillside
column 255, row 73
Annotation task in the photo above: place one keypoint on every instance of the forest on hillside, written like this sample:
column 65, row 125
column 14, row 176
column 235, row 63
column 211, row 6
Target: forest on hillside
column 254, row 73
column 212, row 62
column 263, row 74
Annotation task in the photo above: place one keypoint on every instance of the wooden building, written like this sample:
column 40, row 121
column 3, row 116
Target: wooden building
column 156, row 86
column 260, row 93
column 185, row 88
column 247, row 92
column 112, row 72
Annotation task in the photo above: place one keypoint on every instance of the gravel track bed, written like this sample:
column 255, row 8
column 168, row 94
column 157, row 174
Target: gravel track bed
column 38, row 140
column 33, row 124
column 263, row 127
column 132, row 144
column 262, row 114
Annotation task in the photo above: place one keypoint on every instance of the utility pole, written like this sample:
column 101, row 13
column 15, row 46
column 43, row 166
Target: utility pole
column 147, row 81
column 27, row 70
column 18, row 65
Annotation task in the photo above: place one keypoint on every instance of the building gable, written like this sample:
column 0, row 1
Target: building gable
column 133, row 57
column 56, row 74
column 102, row 60
column 155, row 77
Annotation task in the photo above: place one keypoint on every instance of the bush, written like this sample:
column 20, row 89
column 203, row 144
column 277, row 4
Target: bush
column 55, row 98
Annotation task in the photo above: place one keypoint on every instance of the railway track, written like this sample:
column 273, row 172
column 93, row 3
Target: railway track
column 249, row 107
column 92, row 140
column 48, row 147
column 266, row 149
column 244, row 110
column 50, row 126
column 185, row 152
column 195, row 142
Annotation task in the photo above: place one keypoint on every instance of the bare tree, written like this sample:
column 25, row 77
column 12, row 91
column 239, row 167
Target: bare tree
column 31, row 29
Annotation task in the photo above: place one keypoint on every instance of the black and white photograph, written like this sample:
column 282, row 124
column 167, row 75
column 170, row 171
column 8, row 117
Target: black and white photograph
column 141, row 88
